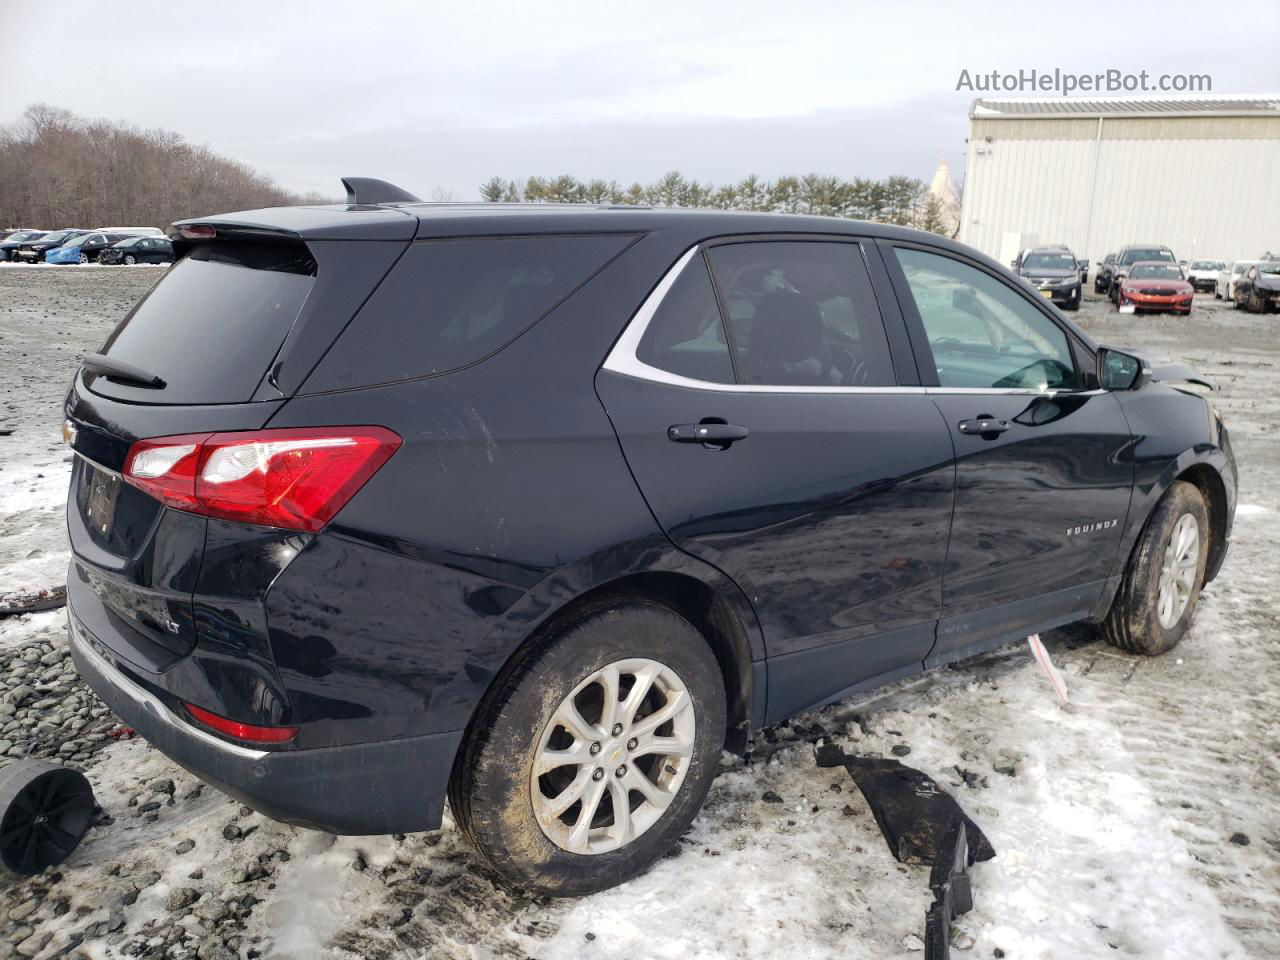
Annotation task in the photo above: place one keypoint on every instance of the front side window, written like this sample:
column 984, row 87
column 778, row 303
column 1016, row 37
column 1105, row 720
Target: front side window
column 984, row 335
column 685, row 336
column 802, row 313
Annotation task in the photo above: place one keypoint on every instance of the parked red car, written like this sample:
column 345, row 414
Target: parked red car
column 1156, row 285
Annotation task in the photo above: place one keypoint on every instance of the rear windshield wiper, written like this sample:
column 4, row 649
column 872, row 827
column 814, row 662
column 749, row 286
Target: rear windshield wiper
column 119, row 370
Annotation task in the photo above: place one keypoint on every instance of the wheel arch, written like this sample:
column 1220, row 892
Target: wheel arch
column 1202, row 466
column 717, row 610
column 1214, row 491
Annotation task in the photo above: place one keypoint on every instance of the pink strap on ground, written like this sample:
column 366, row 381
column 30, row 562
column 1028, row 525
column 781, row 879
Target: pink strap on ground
column 1050, row 671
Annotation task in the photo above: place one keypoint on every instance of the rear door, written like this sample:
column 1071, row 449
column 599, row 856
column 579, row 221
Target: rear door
column 1044, row 469
column 791, row 448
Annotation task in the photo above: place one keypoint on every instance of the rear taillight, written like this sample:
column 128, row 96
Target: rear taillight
column 297, row 479
column 248, row 732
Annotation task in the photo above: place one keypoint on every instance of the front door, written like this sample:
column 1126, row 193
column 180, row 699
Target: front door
column 782, row 448
column 1043, row 472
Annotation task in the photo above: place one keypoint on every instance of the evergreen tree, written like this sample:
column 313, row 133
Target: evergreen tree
column 493, row 190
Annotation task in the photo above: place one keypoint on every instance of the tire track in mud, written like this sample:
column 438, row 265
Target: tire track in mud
column 1201, row 726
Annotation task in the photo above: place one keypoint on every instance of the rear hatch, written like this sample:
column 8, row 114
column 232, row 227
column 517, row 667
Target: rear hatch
column 203, row 352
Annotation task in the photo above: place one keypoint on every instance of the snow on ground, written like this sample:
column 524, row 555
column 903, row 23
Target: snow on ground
column 1113, row 819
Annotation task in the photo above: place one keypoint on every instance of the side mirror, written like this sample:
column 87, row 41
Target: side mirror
column 1120, row 371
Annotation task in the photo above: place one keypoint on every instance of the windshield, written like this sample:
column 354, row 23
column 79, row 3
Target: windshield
column 1206, row 265
column 128, row 243
column 19, row 237
column 57, row 237
column 1155, row 271
column 1272, row 268
column 1049, row 261
column 1241, row 267
column 1146, row 253
column 78, row 240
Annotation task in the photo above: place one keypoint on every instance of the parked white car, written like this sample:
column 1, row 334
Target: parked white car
column 1203, row 274
column 1225, row 287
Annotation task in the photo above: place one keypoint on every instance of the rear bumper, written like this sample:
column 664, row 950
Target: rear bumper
column 392, row 786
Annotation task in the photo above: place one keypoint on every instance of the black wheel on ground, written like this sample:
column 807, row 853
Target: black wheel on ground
column 594, row 753
column 1157, row 598
column 45, row 810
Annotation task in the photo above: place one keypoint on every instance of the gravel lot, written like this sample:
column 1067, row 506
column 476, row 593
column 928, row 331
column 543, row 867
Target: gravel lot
column 1142, row 822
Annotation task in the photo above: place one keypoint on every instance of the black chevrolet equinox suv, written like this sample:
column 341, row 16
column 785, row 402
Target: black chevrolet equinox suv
column 538, row 508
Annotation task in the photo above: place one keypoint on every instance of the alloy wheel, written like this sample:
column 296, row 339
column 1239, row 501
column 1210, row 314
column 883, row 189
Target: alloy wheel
column 613, row 756
column 1178, row 572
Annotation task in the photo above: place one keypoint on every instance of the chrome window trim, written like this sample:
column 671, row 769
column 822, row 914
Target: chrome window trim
column 147, row 701
column 622, row 358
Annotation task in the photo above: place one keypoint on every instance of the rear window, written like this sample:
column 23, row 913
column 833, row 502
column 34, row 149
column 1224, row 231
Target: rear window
column 450, row 303
column 213, row 324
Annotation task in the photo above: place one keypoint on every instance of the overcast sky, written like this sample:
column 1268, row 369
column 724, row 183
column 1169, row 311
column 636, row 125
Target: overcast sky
column 443, row 96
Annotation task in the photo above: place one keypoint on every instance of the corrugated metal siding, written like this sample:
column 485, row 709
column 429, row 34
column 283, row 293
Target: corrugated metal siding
column 1128, row 128
column 1121, row 105
column 1203, row 198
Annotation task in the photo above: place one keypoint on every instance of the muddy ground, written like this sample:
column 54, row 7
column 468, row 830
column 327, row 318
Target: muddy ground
column 1142, row 822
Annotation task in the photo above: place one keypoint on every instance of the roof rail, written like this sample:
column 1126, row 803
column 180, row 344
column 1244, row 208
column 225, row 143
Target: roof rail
column 366, row 190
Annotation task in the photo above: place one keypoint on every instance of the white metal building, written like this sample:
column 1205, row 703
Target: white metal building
column 1198, row 174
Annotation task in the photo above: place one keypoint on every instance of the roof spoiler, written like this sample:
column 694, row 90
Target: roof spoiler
column 366, row 190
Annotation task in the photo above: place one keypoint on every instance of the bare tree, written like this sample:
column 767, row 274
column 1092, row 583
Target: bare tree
column 60, row 170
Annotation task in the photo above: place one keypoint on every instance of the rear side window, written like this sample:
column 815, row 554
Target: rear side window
column 451, row 303
column 802, row 313
column 685, row 336
column 212, row 325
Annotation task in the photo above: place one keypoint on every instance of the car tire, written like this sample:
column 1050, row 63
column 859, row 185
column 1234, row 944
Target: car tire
column 130, row 259
column 1157, row 598
column 510, row 816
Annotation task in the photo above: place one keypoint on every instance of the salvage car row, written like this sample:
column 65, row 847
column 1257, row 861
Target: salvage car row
column 1148, row 277
column 127, row 245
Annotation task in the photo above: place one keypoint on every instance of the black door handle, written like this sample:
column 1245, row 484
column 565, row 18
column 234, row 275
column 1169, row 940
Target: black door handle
column 985, row 426
column 713, row 434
